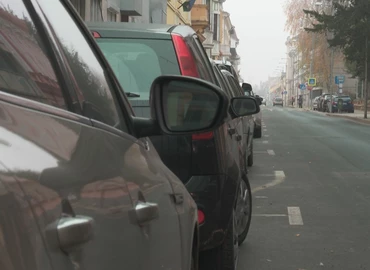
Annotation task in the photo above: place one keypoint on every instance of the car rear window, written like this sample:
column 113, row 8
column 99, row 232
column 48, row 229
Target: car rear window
column 278, row 99
column 137, row 62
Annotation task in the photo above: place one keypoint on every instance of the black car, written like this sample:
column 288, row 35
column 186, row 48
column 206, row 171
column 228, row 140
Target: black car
column 81, row 185
column 233, row 89
column 209, row 164
column 248, row 91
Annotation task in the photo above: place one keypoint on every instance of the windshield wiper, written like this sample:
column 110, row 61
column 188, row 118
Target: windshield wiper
column 129, row 94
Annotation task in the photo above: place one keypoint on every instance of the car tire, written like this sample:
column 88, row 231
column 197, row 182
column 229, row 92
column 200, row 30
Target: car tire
column 244, row 209
column 250, row 157
column 257, row 134
column 225, row 256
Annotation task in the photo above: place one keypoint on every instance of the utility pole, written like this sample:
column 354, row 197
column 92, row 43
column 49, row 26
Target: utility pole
column 311, row 67
column 366, row 79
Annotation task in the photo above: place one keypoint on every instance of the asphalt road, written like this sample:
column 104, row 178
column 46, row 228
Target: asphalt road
column 311, row 194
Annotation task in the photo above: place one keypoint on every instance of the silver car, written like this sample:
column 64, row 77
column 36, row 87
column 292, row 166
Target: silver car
column 278, row 101
column 81, row 185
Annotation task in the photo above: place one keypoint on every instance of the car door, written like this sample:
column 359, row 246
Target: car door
column 134, row 241
column 235, row 127
column 70, row 171
column 248, row 122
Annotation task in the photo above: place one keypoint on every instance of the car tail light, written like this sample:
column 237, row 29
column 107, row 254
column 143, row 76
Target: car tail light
column 96, row 34
column 186, row 60
column 201, row 217
column 202, row 136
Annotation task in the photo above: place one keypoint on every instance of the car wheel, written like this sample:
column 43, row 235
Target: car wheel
column 250, row 157
column 224, row 257
column 244, row 209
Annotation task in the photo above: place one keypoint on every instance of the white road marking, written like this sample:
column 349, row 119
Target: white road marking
column 265, row 130
column 261, row 197
column 265, row 142
column 295, row 217
column 259, row 152
column 269, row 215
column 266, row 136
column 279, row 178
column 271, row 152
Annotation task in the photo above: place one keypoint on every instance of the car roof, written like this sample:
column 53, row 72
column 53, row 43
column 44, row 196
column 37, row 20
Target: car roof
column 138, row 30
column 226, row 72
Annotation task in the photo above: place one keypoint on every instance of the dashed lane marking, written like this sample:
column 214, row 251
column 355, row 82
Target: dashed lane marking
column 271, row 152
column 269, row 215
column 295, row 216
column 279, row 178
column 265, row 142
column 261, row 197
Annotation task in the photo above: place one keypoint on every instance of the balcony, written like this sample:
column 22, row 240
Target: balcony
column 199, row 17
column 132, row 7
column 225, row 50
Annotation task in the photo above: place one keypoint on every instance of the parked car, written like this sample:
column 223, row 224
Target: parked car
column 248, row 91
column 347, row 105
column 233, row 90
column 278, row 101
column 322, row 102
column 209, row 164
column 315, row 103
column 263, row 100
column 81, row 186
column 226, row 65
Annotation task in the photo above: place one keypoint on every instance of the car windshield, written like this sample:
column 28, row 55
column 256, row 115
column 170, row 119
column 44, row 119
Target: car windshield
column 137, row 62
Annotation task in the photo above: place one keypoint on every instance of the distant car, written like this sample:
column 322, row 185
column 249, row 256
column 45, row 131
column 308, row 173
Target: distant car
column 315, row 103
column 263, row 100
column 278, row 101
column 347, row 105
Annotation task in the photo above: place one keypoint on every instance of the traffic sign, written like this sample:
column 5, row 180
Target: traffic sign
column 312, row 82
column 302, row 86
column 339, row 79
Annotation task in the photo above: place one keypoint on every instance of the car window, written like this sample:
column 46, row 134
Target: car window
column 25, row 69
column 221, row 81
column 94, row 89
column 200, row 59
column 137, row 62
column 233, row 88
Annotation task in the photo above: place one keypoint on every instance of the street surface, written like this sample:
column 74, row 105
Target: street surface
column 311, row 194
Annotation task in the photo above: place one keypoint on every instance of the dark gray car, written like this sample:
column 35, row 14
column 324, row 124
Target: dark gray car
column 81, row 186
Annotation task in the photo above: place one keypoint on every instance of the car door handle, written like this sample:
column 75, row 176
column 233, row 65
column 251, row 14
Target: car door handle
column 70, row 232
column 231, row 131
column 146, row 212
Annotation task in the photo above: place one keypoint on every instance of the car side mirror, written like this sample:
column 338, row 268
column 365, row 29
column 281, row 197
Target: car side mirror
column 183, row 105
column 244, row 106
column 259, row 99
column 247, row 87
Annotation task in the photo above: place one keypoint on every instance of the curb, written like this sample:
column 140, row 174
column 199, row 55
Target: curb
column 357, row 120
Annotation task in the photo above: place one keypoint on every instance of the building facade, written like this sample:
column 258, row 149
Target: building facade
column 176, row 14
column 141, row 11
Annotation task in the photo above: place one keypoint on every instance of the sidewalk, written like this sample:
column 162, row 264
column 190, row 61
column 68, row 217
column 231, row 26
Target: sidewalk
column 357, row 116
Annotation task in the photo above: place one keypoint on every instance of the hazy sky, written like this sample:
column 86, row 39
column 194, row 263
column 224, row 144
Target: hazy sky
column 260, row 29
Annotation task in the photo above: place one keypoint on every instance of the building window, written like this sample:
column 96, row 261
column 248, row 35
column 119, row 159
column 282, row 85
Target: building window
column 215, row 6
column 96, row 11
column 111, row 16
column 216, row 29
column 80, row 7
